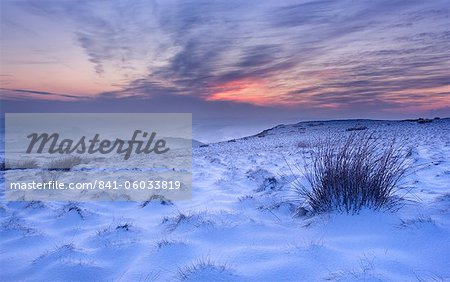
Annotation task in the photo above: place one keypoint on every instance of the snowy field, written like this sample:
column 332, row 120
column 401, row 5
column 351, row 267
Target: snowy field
column 240, row 223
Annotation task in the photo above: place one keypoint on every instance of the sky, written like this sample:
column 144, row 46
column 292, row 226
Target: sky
column 238, row 66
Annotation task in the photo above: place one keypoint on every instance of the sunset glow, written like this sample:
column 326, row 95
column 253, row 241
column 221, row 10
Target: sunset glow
column 244, row 91
column 325, row 59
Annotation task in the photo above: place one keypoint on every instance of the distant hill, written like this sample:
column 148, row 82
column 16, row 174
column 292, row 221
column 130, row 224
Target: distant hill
column 182, row 142
column 346, row 124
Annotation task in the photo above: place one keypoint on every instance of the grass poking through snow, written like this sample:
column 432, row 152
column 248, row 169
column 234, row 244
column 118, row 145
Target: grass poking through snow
column 359, row 171
column 205, row 268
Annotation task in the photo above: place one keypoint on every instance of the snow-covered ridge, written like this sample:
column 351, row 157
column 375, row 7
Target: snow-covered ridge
column 239, row 225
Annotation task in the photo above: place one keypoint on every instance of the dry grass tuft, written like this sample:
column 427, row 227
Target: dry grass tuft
column 356, row 172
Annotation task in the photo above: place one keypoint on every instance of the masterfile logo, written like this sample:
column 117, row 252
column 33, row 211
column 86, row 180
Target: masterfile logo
column 96, row 145
column 98, row 156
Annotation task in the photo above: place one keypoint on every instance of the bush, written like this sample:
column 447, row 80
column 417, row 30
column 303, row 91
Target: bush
column 20, row 164
column 353, row 173
column 356, row 127
column 64, row 164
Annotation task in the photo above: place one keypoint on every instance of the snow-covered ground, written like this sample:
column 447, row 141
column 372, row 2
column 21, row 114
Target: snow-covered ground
column 239, row 224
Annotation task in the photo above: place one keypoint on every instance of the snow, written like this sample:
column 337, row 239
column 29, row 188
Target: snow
column 240, row 223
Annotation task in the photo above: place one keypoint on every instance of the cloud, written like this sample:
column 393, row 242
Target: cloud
column 12, row 92
column 341, row 55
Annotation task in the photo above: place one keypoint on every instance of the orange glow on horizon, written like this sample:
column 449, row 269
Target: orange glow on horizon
column 252, row 91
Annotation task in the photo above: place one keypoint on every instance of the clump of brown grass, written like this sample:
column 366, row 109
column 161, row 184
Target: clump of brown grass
column 356, row 172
